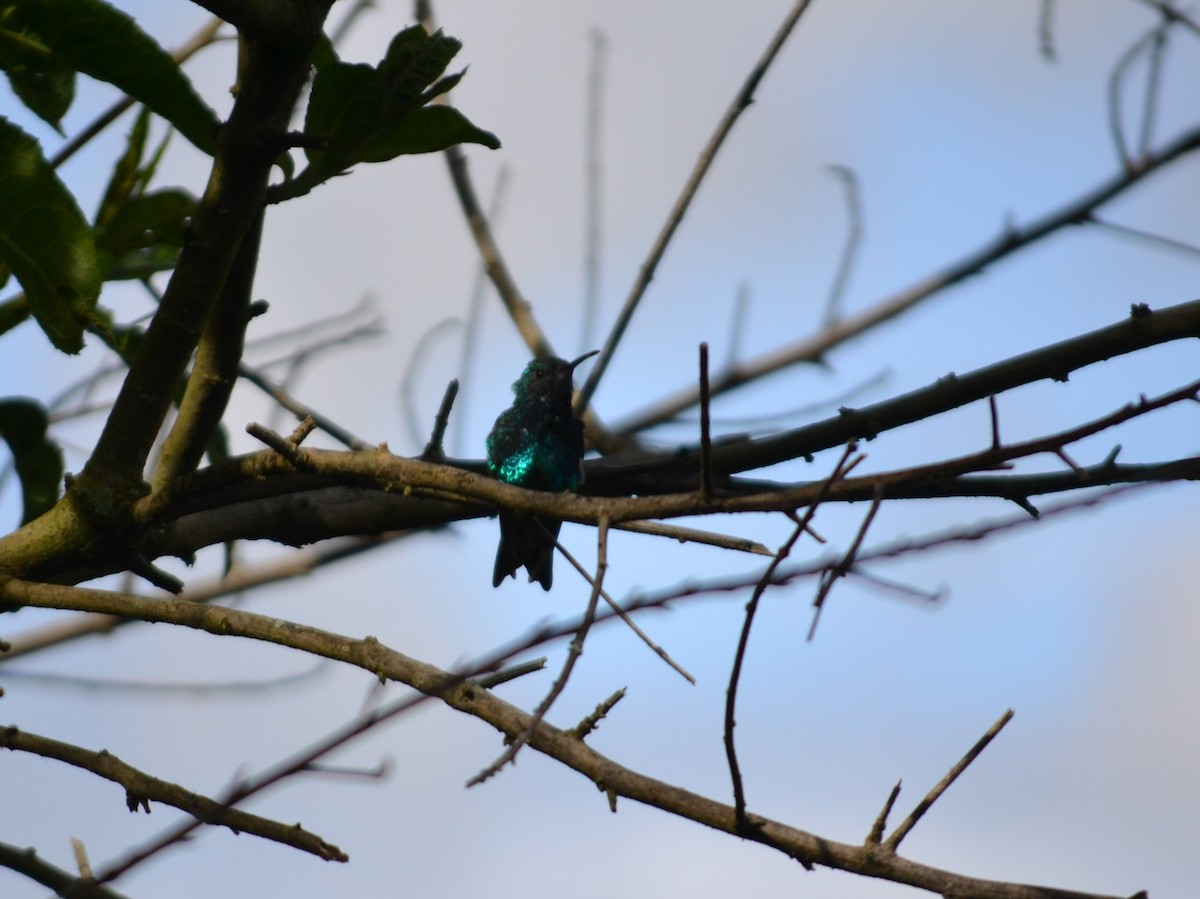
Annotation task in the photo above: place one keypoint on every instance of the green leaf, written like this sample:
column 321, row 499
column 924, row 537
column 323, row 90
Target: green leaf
column 140, row 264
column 427, row 130
column 45, row 240
column 105, row 43
column 144, row 235
column 156, row 217
column 374, row 113
column 125, row 177
column 37, row 459
column 39, row 79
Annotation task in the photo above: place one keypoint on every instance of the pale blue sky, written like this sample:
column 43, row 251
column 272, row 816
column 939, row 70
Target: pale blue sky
column 1086, row 626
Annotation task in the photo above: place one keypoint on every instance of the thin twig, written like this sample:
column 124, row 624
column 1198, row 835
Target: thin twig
column 1046, row 31
column 706, row 485
column 299, row 409
column 410, row 381
column 816, row 347
column 831, row 575
column 434, row 451
column 1156, row 53
column 1116, row 81
column 141, row 789
column 1169, row 243
column 880, row 824
column 592, row 721
column 854, row 233
column 691, row 535
column 27, row 863
column 512, row 672
column 1171, row 14
column 844, row 465
column 624, row 616
column 235, row 581
column 737, row 323
column 474, row 320
column 893, row 841
column 741, row 101
column 338, row 34
column 574, row 651
column 594, row 174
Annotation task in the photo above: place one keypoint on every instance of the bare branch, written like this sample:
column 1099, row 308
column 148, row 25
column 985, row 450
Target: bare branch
column 26, row 861
column 593, row 180
column 923, row 806
column 646, row 273
column 833, row 306
column 844, row 465
column 141, row 789
column 815, row 348
column 705, row 435
column 574, row 651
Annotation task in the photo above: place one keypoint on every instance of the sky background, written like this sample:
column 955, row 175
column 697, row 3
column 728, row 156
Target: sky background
column 1085, row 625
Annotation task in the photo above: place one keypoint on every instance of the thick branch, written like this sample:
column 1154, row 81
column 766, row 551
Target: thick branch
column 869, row 859
column 247, row 145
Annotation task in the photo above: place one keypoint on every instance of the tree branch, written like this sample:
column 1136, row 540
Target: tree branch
column 869, row 859
column 142, row 788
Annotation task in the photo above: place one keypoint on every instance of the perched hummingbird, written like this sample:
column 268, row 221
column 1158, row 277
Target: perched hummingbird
column 536, row 443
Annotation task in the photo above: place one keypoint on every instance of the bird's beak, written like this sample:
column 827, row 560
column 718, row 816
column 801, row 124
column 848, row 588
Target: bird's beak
column 581, row 358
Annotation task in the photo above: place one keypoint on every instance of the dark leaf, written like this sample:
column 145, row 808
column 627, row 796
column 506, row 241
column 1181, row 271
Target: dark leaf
column 37, row 460
column 374, row 113
column 126, row 173
column 45, row 240
column 428, row 130
column 125, row 56
column 44, row 83
column 152, row 218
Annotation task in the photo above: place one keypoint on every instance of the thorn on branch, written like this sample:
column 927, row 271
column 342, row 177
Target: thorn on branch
column 880, row 824
column 434, row 450
column 512, row 672
column 300, row 434
column 1079, row 470
column 589, row 724
column 151, row 573
column 1024, row 503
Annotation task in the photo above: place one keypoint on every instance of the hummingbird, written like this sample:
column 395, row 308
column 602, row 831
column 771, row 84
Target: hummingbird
column 536, row 443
